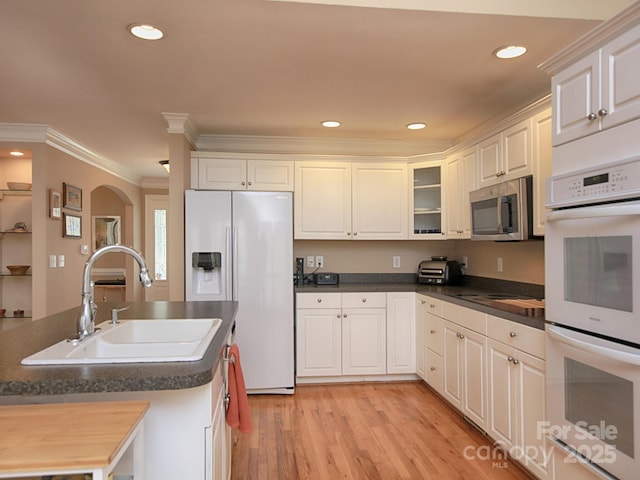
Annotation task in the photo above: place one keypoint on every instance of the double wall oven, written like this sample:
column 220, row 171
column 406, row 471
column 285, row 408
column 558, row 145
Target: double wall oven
column 592, row 256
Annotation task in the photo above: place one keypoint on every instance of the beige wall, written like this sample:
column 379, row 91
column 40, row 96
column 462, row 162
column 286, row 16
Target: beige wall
column 60, row 288
column 522, row 261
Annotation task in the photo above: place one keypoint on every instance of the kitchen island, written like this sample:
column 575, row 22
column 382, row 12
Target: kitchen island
column 185, row 433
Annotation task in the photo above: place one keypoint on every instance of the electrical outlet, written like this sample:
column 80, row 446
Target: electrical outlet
column 500, row 265
column 396, row 261
column 465, row 261
column 320, row 261
column 311, row 261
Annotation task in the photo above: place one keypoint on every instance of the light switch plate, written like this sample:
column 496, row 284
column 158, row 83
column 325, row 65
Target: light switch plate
column 60, row 261
column 52, row 261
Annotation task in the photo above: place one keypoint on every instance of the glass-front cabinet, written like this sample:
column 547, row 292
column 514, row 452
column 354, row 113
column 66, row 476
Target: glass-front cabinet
column 427, row 216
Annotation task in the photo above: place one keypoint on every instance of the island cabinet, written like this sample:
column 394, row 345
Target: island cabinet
column 516, row 385
column 598, row 91
column 350, row 201
column 213, row 172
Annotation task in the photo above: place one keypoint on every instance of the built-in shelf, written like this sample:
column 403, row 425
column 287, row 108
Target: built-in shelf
column 15, row 274
column 15, row 193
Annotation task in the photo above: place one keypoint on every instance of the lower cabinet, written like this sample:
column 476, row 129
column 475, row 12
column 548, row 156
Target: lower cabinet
column 368, row 333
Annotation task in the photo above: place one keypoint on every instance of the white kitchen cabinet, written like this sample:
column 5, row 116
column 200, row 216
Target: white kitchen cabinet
column 421, row 335
column 426, row 202
column 599, row 90
column 319, row 334
column 214, row 173
column 460, row 181
column 401, row 332
column 343, row 200
column 516, row 385
column 340, row 334
column 434, row 340
column 465, row 381
column 541, row 127
column 506, row 155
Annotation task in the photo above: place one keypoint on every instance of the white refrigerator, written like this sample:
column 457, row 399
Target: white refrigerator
column 239, row 246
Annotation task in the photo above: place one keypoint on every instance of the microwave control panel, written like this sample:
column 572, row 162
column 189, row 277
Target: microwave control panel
column 611, row 182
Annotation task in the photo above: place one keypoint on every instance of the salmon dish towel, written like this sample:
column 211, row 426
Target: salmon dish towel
column 238, row 412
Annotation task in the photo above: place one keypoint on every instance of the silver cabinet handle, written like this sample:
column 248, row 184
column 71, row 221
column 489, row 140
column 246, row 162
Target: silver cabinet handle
column 250, row 183
column 344, row 315
column 244, row 183
column 355, row 233
column 364, row 300
column 513, row 334
column 516, row 361
column 319, row 300
column 510, row 358
column 592, row 116
column 603, row 112
column 432, row 331
column 431, row 305
column 432, row 369
column 338, row 315
column 423, row 302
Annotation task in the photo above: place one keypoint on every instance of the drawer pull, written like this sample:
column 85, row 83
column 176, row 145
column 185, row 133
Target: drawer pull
column 344, row 315
column 516, row 361
column 510, row 358
column 338, row 315
column 432, row 369
column 432, row 331
column 319, row 300
column 423, row 302
column 513, row 334
column 431, row 305
column 364, row 300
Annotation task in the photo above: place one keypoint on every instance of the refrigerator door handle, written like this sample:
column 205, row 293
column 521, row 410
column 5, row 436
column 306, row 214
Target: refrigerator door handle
column 228, row 265
column 234, row 271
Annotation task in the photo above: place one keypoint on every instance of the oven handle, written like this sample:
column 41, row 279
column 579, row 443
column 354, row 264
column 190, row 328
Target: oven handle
column 600, row 350
column 613, row 210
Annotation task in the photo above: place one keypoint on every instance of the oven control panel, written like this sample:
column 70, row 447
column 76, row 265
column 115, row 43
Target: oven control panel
column 614, row 181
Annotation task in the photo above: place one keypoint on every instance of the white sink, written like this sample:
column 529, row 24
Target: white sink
column 134, row 341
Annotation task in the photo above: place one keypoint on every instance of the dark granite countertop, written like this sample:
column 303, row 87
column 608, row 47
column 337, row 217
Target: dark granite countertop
column 448, row 293
column 22, row 341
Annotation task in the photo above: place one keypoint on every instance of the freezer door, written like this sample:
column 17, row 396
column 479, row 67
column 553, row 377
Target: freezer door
column 208, row 233
column 263, row 287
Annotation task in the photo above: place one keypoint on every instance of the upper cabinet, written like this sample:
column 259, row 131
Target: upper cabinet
column 215, row 173
column 598, row 91
column 427, row 201
column 506, row 155
column 344, row 200
column 460, row 181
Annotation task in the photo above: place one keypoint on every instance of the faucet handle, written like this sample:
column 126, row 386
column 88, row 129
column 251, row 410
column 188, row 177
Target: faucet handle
column 114, row 315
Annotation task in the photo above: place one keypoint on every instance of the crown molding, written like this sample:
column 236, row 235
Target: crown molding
column 591, row 41
column 180, row 123
column 36, row 133
column 317, row 146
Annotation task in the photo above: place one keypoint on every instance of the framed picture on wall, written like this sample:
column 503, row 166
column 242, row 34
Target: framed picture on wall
column 106, row 230
column 72, row 197
column 55, row 204
column 71, row 226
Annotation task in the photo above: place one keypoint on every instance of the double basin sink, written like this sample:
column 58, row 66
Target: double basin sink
column 134, row 341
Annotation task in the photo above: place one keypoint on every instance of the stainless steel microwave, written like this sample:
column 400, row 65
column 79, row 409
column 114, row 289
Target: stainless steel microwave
column 503, row 212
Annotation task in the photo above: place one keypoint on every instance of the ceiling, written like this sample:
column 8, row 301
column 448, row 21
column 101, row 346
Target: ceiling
column 275, row 68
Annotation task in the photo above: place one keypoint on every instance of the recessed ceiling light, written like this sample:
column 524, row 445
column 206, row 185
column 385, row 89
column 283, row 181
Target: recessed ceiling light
column 16, row 153
column 416, row 126
column 165, row 164
column 145, row 31
column 330, row 124
column 510, row 51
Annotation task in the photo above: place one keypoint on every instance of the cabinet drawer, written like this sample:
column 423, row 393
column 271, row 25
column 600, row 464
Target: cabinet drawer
column 471, row 319
column 433, row 306
column 364, row 300
column 433, row 334
column 435, row 371
column 318, row 300
column 522, row 337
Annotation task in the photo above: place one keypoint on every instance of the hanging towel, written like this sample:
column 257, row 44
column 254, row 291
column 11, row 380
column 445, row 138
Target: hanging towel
column 238, row 412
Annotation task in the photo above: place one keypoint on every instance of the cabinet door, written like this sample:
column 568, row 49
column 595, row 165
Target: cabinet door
column 501, row 376
column 319, row 340
column 489, row 161
column 363, row 341
column 576, row 95
column 380, row 201
column 620, row 86
column 460, row 181
column 426, row 201
column 401, row 333
column 474, row 377
column 435, row 371
column 542, row 151
column 270, row 176
column 421, row 347
column 221, row 174
column 516, row 151
column 452, row 357
column 322, row 201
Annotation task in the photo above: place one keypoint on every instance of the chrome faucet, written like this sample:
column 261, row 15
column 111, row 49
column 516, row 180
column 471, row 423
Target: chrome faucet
column 88, row 308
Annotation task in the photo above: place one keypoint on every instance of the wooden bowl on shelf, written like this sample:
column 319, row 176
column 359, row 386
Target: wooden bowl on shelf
column 18, row 269
column 21, row 186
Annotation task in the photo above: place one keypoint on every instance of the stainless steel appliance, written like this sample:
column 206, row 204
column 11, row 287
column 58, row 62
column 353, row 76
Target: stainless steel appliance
column 502, row 212
column 439, row 271
column 592, row 257
column 239, row 246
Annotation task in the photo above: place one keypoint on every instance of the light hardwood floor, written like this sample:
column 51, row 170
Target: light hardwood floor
column 383, row 431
